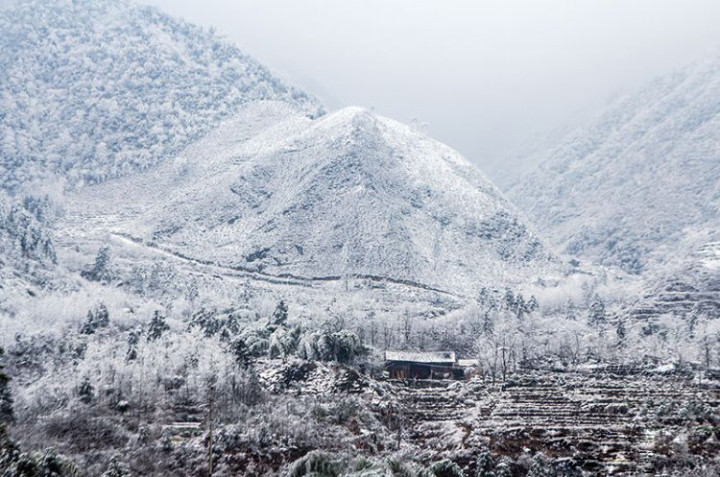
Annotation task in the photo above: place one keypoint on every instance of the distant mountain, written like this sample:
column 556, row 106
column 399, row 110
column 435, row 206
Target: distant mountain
column 348, row 195
column 643, row 180
column 92, row 89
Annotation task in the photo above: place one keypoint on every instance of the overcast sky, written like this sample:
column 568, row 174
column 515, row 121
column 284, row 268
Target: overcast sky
column 483, row 74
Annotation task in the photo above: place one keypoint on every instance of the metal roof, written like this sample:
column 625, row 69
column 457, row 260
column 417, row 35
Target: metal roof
column 428, row 357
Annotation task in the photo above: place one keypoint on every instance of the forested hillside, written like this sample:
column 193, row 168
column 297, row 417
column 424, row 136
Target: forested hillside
column 639, row 184
column 93, row 89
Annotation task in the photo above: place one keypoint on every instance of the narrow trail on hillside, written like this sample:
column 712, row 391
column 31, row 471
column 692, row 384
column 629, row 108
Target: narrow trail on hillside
column 282, row 279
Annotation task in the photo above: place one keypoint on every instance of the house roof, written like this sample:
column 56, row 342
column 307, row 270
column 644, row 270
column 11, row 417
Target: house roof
column 428, row 357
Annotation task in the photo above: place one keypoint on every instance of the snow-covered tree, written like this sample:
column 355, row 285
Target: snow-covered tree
column 503, row 468
column 446, row 468
column 280, row 315
column 532, row 305
column 96, row 319
column 157, row 327
column 116, row 469
column 485, row 464
column 133, row 341
column 541, row 466
column 101, row 269
column 597, row 316
column 283, row 342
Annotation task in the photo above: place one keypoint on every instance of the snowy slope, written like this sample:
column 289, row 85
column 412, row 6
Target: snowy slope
column 687, row 288
column 627, row 190
column 348, row 195
column 92, row 89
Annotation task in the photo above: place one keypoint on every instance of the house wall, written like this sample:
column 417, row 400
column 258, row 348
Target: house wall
column 419, row 371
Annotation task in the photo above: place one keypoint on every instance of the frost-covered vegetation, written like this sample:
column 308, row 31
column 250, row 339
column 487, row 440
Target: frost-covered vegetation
column 137, row 377
column 24, row 230
column 27, row 252
column 224, row 309
column 96, row 89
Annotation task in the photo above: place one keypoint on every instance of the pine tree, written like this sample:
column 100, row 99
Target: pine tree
column 570, row 313
column 597, row 316
column 485, row 464
column 157, row 327
column 520, row 307
column 101, row 269
column 252, row 391
column 96, row 319
column 509, row 299
column 241, row 352
column 503, row 469
column 280, row 315
column 486, row 300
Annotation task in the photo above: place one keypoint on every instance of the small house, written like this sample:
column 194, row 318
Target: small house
column 422, row 365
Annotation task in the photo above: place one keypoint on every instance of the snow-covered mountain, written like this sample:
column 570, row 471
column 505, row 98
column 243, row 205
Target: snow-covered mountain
column 193, row 152
column 92, row 89
column 640, row 185
column 349, row 195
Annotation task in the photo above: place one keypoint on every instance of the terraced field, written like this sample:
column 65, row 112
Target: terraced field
column 608, row 424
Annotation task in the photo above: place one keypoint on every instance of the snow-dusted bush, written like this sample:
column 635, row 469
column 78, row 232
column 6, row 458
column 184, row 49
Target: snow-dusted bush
column 325, row 464
column 316, row 463
column 323, row 345
column 446, row 468
column 14, row 463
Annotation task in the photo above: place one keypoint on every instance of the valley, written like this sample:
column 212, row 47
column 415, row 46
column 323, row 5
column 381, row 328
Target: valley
column 203, row 271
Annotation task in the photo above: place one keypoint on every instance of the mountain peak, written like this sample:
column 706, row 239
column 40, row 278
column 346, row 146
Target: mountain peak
column 350, row 194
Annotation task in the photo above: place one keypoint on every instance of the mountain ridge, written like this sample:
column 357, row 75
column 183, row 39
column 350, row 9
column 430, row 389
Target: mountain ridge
column 642, row 177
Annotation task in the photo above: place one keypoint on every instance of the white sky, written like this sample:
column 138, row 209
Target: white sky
column 483, row 74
